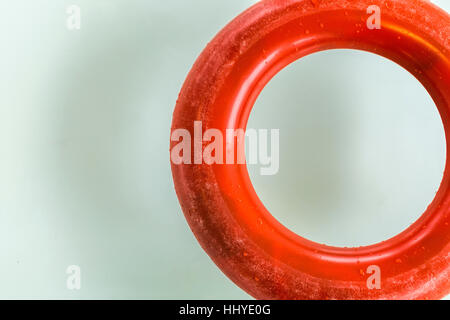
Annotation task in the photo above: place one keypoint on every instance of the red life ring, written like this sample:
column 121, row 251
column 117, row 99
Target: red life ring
column 252, row 248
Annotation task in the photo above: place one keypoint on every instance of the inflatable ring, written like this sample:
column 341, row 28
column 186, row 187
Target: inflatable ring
column 250, row 246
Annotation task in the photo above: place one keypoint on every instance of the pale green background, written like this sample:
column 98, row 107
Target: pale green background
column 84, row 164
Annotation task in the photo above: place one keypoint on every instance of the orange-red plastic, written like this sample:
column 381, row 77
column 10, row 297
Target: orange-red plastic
column 252, row 248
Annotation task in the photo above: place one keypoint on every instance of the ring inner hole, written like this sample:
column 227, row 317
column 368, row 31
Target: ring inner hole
column 362, row 148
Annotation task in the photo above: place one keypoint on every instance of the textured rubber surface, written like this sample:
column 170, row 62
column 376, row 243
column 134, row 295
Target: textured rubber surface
column 253, row 249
